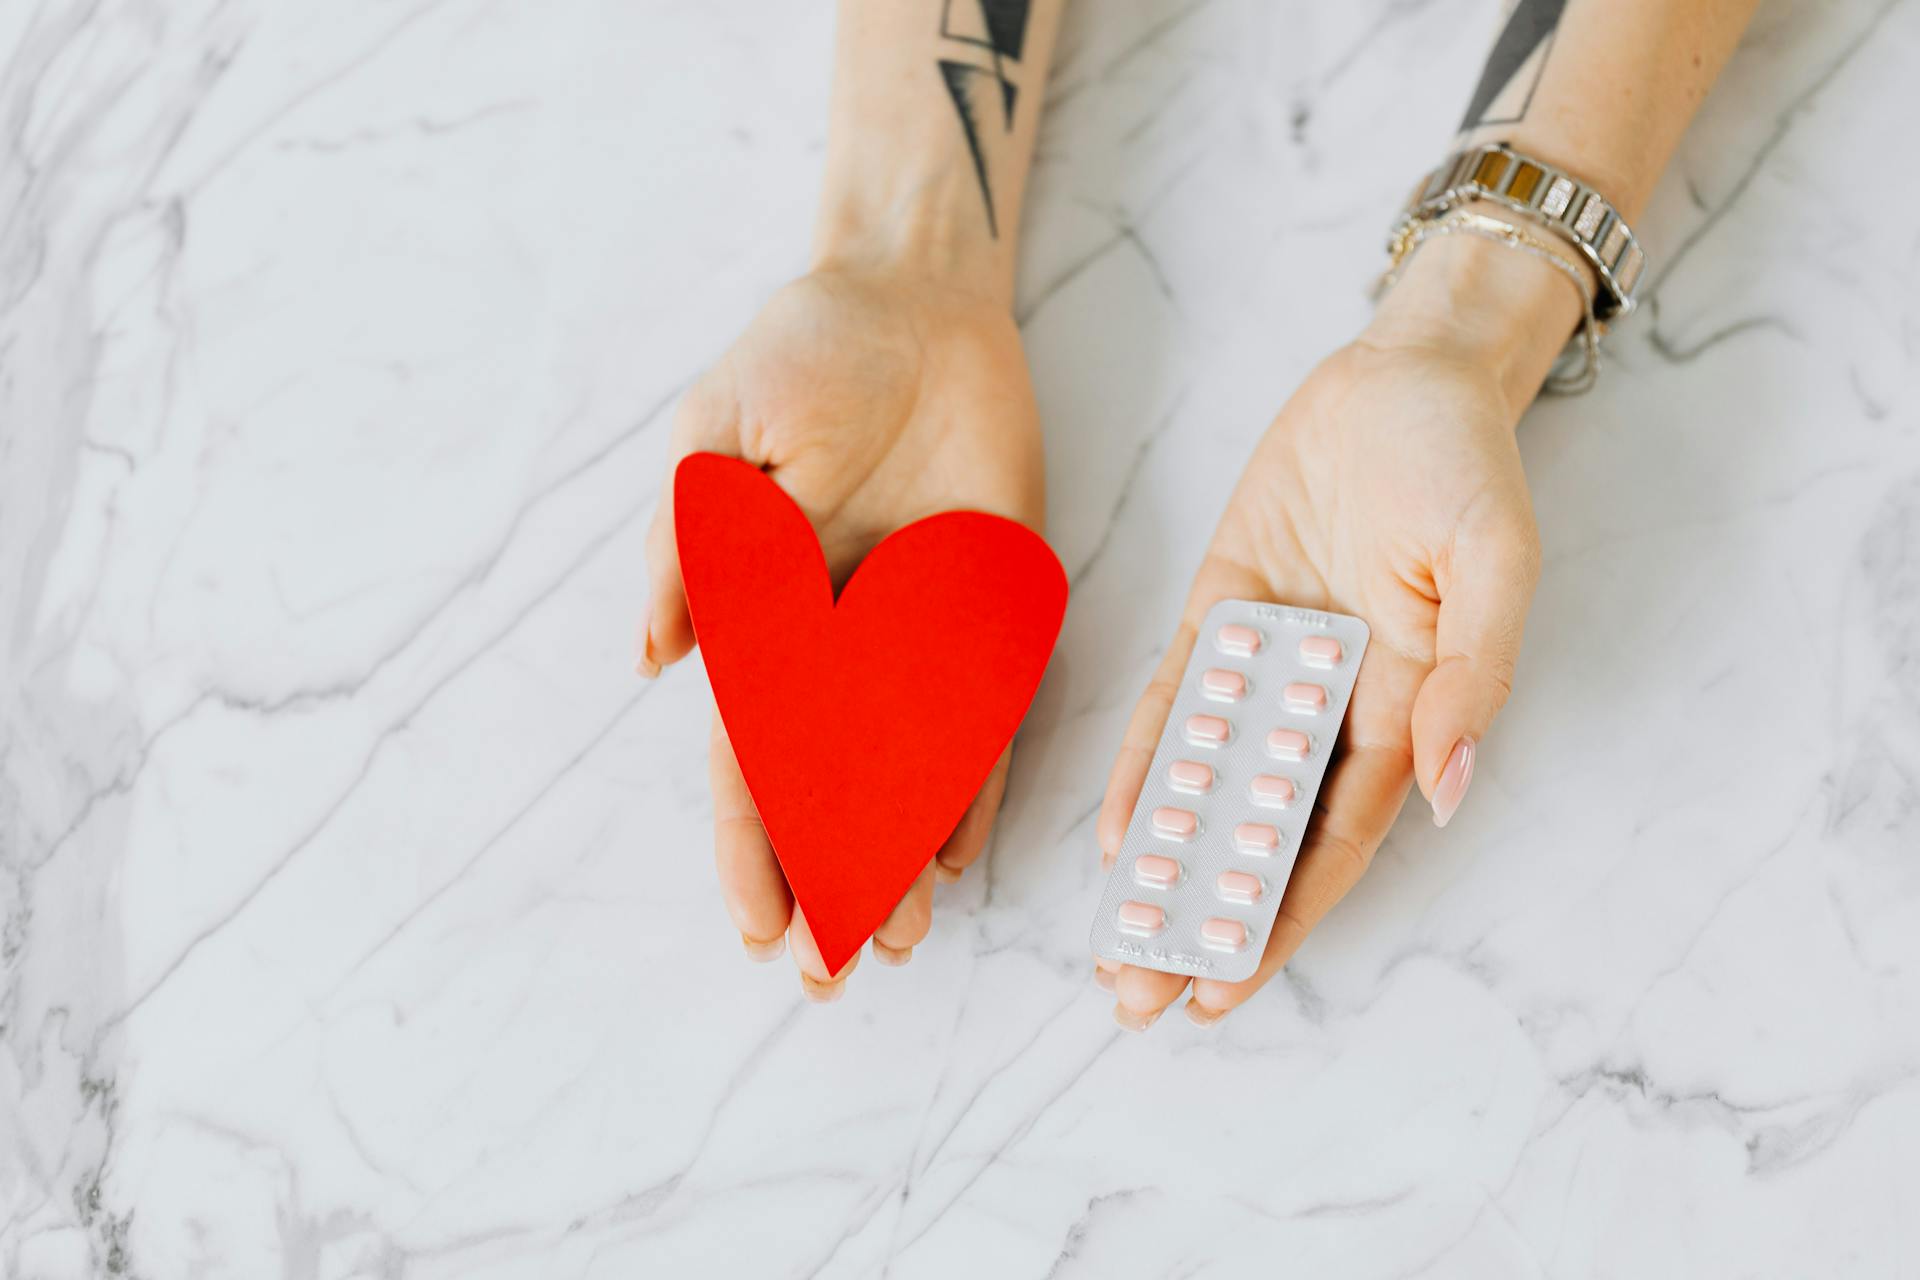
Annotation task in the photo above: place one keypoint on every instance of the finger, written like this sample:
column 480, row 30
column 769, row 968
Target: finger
column 1492, row 569
column 1358, row 803
column 706, row 421
column 751, row 882
column 906, row 925
column 1219, row 579
column 976, row 824
column 819, row 986
column 1142, row 995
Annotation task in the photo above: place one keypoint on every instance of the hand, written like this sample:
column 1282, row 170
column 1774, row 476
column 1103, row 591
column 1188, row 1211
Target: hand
column 1390, row 487
column 873, row 400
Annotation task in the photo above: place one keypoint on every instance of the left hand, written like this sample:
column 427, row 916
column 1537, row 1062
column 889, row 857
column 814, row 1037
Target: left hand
column 1390, row 486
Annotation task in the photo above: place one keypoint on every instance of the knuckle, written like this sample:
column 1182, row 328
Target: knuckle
column 1160, row 694
column 1350, row 857
column 1499, row 674
column 911, row 919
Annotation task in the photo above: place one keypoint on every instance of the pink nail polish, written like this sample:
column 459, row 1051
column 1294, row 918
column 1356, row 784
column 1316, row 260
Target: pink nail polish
column 1452, row 787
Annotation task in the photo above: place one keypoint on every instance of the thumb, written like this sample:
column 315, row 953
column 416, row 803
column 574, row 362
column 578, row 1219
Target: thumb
column 666, row 633
column 704, row 422
column 1483, row 610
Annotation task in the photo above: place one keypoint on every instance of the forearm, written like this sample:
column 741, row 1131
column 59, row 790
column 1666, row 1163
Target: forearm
column 1601, row 88
column 936, row 104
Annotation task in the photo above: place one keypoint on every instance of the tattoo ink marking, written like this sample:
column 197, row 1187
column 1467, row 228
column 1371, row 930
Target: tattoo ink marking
column 1524, row 44
column 983, row 38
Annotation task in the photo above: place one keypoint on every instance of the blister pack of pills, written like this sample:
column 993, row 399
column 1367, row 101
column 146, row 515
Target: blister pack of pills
column 1226, row 804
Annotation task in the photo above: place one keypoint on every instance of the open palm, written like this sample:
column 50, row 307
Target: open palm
column 873, row 403
column 1389, row 487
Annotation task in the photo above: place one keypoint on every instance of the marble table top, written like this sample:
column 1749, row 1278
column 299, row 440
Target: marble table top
column 356, row 908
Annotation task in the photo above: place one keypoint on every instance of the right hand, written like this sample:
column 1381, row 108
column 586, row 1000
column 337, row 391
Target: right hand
column 873, row 400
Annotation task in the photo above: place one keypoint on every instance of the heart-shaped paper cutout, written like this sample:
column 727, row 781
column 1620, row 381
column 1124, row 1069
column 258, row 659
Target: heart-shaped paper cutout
column 865, row 726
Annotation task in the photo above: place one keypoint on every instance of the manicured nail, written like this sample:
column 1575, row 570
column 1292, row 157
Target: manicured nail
column 1131, row 1021
column 822, row 992
column 1201, row 1016
column 643, row 651
column 1452, row 787
column 1103, row 980
column 761, row 952
column 944, row 874
column 894, row 956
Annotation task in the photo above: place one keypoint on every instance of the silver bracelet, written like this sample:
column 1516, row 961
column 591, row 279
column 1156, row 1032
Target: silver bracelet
column 1566, row 378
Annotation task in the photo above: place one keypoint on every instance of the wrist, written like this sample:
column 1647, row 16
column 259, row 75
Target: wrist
column 919, row 225
column 1483, row 303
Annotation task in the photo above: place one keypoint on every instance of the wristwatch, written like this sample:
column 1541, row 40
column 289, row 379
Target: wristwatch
column 1547, row 196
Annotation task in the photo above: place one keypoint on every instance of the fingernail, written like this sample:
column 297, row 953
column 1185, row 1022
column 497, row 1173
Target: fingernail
column 761, row 952
column 895, row 956
column 1131, row 1021
column 643, row 651
column 1452, row 787
column 822, row 992
column 944, row 874
column 1201, row 1016
column 1102, row 979
column 1107, row 859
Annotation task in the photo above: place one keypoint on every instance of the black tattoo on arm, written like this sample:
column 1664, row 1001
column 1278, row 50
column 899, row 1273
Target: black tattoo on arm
column 983, row 40
column 1515, row 66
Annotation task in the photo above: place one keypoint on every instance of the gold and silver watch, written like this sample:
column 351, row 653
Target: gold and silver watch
column 1546, row 196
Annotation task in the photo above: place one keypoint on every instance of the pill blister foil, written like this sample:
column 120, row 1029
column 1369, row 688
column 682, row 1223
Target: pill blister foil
column 1195, row 898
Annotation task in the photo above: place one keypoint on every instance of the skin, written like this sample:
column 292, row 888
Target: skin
column 1389, row 487
column 889, row 383
column 886, row 384
column 873, row 399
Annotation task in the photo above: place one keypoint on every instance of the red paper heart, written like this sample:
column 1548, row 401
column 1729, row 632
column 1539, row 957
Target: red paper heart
column 863, row 727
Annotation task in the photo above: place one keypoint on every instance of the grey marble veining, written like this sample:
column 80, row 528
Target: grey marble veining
column 356, row 912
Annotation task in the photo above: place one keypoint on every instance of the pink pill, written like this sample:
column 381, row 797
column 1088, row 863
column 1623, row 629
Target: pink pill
column 1270, row 792
column 1175, row 824
column 1223, row 934
column 1223, row 686
column 1141, row 918
column 1186, row 775
column 1239, row 886
column 1256, row 838
column 1301, row 696
column 1207, row 731
column 1238, row 639
column 1320, row 651
column 1288, row 744
column 1155, row 871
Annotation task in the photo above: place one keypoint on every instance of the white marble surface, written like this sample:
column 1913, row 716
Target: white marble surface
column 356, row 911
